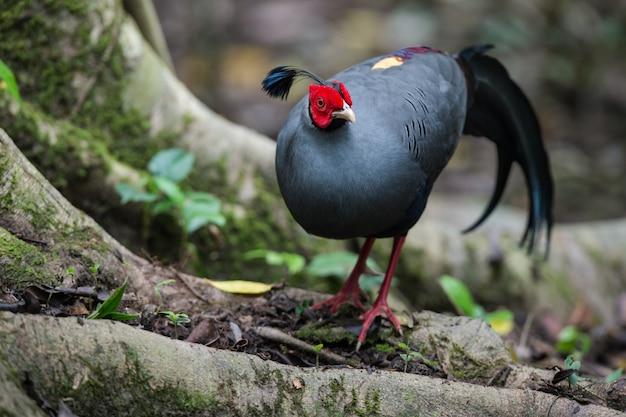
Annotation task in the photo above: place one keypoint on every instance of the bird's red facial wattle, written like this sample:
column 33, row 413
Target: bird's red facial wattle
column 327, row 103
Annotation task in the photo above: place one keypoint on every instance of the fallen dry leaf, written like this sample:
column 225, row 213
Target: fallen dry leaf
column 297, row 383
column 241, row 287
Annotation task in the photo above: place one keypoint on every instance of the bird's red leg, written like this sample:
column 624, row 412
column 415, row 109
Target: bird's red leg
column 380, row 307
column 350, row 292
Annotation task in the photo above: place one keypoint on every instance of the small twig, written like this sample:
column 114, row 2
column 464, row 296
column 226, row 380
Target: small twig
column 12, row 308
column 280, row 356
column 278, row 336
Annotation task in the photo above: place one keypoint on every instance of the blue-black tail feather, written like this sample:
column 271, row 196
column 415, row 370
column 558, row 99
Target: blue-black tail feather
column 278, row 81
column 501, row 112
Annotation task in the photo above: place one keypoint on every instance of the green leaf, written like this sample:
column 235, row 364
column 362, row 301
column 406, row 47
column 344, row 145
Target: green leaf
column 170, row 189
column 128, row 193
column 173, row 164
column 571, row 339
column 94, row 268
column 109, row 305
column 200, row 209
column 572, row 364
column 318, row 348
column 501, row 321
column 403, row 346
column 176, row 318
column 294, row 262
column 273, row 258
column 118, row 316
column 336, row 264
column 300, row 308
column 460, row 297
column 369, row 283
column 7, row 81
column 406, row 357
column 614, row 376
column 255, row 254
column 163, row 206
column 571, row 361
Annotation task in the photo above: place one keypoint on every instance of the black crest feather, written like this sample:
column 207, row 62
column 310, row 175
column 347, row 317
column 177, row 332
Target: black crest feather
column 278, row 81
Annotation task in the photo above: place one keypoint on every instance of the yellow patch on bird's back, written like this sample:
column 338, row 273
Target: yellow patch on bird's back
column 388, row 62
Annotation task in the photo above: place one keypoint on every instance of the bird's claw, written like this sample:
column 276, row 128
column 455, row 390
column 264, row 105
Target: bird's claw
column 345, row 296
column 379, row 309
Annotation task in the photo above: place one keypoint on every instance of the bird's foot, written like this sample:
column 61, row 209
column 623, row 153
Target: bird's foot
column 347, row 295
column 380, row 308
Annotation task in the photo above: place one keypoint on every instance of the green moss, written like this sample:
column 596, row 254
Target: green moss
column 22, row 264
column 336, row 401
column 385, row 348
column 65, row 154
column 71, row 254
column 325, row 334
column 77, row 71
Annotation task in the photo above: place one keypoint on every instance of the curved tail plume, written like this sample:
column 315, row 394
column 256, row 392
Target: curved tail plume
column 499, row 111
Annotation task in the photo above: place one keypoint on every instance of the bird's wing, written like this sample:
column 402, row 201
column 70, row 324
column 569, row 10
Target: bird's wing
column 421, row 94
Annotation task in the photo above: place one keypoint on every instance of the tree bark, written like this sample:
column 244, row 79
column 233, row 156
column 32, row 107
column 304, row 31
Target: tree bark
column 133, row 105
column 143, row 374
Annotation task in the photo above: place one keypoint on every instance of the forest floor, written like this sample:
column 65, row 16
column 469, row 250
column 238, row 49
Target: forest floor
column 275, row 326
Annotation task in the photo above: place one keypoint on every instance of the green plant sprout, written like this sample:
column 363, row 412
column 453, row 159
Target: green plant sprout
column 411, row 355
column 318, row 348
column 108, row 309
column 569, row 372
column 294, row 262
column 162, row 194
column 94, row 269
column 459, row 295
column 177, row 319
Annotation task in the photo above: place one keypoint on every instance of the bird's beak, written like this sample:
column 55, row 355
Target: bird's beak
column 346, row 113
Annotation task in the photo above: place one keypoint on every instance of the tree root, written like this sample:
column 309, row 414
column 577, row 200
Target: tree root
column 144, row 374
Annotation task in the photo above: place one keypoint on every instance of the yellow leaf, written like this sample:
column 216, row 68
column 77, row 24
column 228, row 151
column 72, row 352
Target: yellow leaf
column 502, row 327
column 241, row 287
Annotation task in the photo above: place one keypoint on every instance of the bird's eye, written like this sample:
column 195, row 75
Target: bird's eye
column 320, row 102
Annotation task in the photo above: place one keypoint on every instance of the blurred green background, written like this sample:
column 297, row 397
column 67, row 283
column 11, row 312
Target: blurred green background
column 568, row 55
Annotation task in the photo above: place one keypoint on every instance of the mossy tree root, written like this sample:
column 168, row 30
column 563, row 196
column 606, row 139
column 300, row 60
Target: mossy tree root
column 45, row 240
column 143, row 374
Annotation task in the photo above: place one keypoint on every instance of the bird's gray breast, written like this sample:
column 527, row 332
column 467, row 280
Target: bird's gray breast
column 357, row 180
